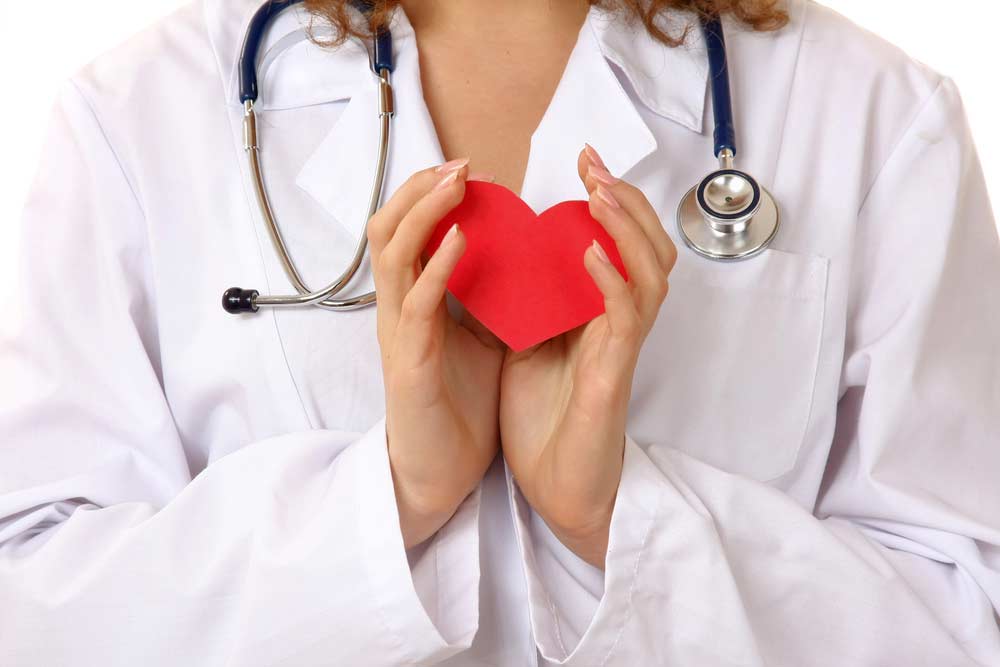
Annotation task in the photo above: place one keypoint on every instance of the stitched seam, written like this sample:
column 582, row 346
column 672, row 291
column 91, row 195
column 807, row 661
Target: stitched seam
column 148, row 250
column 107, row 140
column 815, row 382
column 902, row 137
column 631, row 592
column 437, row 577
column 788, row 96
column 251, row 218
column 555, row 622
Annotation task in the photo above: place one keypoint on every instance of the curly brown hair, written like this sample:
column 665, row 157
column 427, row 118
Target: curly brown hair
column 759, row 15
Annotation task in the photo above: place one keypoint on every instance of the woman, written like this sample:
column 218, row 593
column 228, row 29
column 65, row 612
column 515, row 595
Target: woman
column 784, row 461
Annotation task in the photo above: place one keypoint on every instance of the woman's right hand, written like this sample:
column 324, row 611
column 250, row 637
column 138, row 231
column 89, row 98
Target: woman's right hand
column 441, row 377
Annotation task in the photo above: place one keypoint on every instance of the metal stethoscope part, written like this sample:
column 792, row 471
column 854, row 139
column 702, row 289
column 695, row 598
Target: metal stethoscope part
column 728, row 216
column 239, row 300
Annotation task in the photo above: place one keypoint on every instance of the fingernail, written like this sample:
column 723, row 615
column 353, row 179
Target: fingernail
column 452, row 165
column 481, row 176
column 602, row 175
column 448, row 179
column 607, row 197
column 599, row 251
column 592, row 155
column 451, row 235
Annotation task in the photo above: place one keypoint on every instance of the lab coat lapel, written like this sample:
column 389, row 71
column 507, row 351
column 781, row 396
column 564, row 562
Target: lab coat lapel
column 592, row 105
column 292, row 70
column 339, row 174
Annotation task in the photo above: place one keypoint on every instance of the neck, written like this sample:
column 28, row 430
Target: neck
column 494, row 21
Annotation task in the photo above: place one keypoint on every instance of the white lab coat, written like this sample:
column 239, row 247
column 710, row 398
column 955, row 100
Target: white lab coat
column 814, row 436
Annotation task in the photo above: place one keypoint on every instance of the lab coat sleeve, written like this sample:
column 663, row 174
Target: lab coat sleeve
column 898, row 563
column 285, row 552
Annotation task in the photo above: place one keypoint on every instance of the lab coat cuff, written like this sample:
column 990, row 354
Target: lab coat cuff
column 559, row 581
column 446, row 621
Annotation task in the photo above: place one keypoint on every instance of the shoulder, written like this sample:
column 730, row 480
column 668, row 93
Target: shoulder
column 188, row 58
column 839, row 48
column 854, row 84
column 174, row 49
column 170, row 79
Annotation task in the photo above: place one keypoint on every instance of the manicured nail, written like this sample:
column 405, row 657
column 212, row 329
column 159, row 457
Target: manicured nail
column 599, row 251
column 603, row 175
column 481, row 176
column 452, row 165
column 448, row 179
column 451, row 235
column 607, row 197
column 592, row 155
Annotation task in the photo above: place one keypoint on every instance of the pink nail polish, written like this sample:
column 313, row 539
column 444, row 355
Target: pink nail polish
column 599, row 251
column 452, row 165
column 607, row 197
column 602, row 175
column 592, row 155
column 448, row 179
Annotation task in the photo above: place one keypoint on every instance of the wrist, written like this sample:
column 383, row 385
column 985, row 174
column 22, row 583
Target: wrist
column 420, row 515
column 589, row 545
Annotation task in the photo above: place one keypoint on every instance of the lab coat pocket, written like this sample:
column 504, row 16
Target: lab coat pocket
column 728, row 372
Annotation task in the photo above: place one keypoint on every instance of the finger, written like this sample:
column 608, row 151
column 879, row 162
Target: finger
column 383, row 224
column 594, row 172
column 647, row 279
column 419, row 319
column 382, row 228
column 418, row 224
column 624, row 320
column 398, row 267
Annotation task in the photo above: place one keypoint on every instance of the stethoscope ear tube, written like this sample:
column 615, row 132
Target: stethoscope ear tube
column 238, row 300
column 722, row 102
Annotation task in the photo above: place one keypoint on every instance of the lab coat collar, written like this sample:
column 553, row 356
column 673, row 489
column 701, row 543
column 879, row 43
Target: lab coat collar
column 294, row 72
column 590, row 104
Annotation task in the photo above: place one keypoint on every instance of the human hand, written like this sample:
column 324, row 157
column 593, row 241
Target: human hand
column 441, row 376
column 563, row 403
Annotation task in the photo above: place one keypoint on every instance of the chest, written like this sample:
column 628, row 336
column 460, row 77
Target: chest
column 740, row 371
column 487, row 99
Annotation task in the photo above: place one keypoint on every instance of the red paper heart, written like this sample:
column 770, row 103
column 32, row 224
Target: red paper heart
column 522, row 275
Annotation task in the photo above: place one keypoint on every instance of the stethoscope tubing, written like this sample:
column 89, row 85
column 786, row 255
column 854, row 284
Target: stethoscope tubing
column 239, row 300
column 719, row 247
column 307, row 296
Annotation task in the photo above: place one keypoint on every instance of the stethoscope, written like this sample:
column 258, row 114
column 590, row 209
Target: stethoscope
column 728, row 216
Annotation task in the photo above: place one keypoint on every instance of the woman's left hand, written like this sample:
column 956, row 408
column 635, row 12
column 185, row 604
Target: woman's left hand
column 563, row 403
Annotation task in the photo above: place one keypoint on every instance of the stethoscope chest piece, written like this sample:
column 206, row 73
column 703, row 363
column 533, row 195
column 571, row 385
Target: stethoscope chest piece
column 727, row 216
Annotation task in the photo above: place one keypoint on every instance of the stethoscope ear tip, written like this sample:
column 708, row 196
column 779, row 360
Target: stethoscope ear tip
column 236, row 300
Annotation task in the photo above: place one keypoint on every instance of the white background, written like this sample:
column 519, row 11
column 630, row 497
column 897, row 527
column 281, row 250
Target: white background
column 42, row 43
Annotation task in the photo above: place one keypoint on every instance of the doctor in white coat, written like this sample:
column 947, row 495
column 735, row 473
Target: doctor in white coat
column 791, row 460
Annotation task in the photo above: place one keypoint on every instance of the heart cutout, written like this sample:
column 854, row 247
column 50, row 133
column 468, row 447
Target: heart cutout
column 522, row 274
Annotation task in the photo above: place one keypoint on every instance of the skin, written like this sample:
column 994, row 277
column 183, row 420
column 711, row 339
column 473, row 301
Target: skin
column 455, row 395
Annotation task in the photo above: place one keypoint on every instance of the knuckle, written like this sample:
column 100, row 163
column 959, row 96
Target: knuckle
column 662, row 287
column 390, row 261
column 630, row 328
column 378, row 230
column 626, row 189
column 418, row 178
column 382, row 266
column 412, row 307
column 671, row 255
